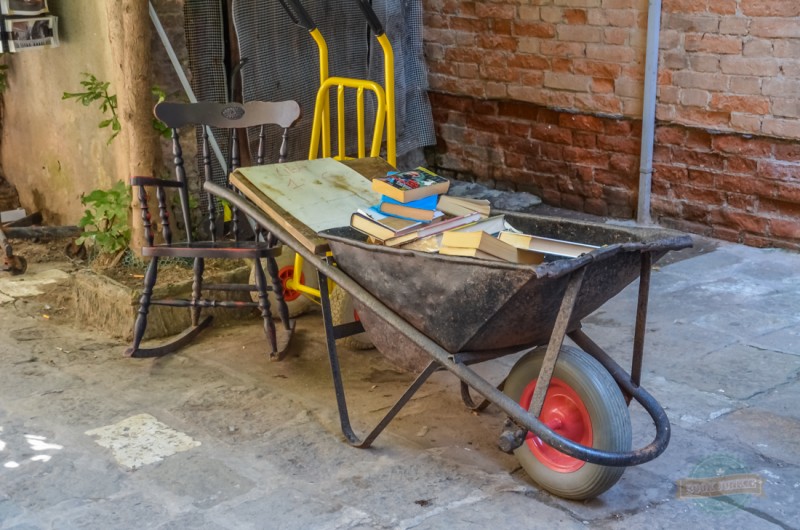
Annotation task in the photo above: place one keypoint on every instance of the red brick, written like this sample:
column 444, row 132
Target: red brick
column 485, row 10
column 582, row 122
column 619, row 127
column 489, row 41
column 533, row 62
column 692, row 158
column 723, row 7
column 518, row 129
column 548, row 116
column 741, row 202
column 476, row 25
column 737, row 164
column 584, row 139
column 595, row 207
column 518, row 110
column 698, row 140
column 771, row 8
column 779, row 207
column 789, row 152
column 699, row 195
column 449, row 101
column 785, row 228
column 701, row 178
column 743, row 184
column 501, row 27
column 707, row 118
column 552, row 151
column 540, row 30
column 773, row 170
column 788, row 191
column 727, row 234
column 602, row 86
column 683, row 6
column 670, row 173
column 575, row 16
column 587, row 157
column 758, row 147
column 744, row 221
column 710, row 43
column 662, row 154
column 597, row 68
column 560, row 64
column 746, row 104
column 624, row 163
column 670, row 135
column 696, row 212
column 619, row 144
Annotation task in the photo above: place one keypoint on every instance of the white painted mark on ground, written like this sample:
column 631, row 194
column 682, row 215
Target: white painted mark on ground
column 141, row 440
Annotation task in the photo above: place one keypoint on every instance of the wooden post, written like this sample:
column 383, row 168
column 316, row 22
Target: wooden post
column 130, row 32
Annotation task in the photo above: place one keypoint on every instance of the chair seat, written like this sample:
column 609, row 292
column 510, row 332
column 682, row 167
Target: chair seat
column 213, row 249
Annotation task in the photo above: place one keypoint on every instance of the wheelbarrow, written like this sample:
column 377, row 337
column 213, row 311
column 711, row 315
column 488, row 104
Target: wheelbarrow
column 568, row 421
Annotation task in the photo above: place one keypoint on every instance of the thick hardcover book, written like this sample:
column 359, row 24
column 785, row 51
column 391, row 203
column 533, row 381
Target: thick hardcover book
column 452, row 205
column 381, row 227
column 433, row 228
column 407, row 186
column 420, row 210
column 556, row 247
column 491, row 245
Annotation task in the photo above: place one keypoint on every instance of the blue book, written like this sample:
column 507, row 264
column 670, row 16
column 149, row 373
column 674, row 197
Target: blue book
column 420, row 210
column 425, row 203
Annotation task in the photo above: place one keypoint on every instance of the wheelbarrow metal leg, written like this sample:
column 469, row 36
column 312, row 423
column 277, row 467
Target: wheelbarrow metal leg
column 560, row 329
column 338, row 384
column 641, row 318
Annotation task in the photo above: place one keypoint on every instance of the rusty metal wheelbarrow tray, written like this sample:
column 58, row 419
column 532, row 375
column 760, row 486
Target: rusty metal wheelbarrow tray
column 472, row 305
column 453, row 311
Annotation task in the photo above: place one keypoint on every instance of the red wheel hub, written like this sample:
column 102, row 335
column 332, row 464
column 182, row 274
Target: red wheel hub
column 286, row 274
column 565, row 413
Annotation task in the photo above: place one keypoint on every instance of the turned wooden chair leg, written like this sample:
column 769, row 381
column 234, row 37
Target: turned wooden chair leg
column 263, row 305
column 197, row 287
column 140, row 325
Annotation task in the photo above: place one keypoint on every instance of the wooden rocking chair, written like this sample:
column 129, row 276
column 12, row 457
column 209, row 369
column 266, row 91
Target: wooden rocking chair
column 231, row 116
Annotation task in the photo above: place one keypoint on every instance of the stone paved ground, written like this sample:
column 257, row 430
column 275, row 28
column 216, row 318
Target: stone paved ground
column 245, row 443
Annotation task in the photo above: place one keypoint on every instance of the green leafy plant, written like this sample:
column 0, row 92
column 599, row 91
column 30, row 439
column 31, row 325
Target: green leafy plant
column 159, row 125
column 96, row 90
column 105, row 221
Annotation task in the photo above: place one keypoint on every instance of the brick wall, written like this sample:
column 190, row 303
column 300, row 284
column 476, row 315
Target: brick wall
column 546, row 97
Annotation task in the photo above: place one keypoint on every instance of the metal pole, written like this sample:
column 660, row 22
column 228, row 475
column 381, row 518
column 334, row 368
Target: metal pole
column 649, row 112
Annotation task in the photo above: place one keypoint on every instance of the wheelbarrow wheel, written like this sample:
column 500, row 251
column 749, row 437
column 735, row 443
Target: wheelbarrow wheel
column 296, row 301
column 343, row 312
column 583, row 404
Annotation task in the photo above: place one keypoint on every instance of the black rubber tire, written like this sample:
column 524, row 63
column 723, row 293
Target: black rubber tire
column 342, row 311
column 608, row 412
column 299, row 305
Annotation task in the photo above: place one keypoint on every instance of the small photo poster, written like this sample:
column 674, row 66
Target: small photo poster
column 23, row 7
column 30, row 33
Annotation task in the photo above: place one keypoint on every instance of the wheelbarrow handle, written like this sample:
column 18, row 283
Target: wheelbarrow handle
column 298, row 14
column 372, row 18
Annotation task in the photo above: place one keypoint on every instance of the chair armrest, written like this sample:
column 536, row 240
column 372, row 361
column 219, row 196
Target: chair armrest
column 155, row 181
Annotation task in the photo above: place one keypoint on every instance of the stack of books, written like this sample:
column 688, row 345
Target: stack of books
column 413, row 205
column 416, row 213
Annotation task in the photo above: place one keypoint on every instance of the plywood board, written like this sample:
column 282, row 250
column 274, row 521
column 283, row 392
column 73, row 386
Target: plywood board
column 308, row 196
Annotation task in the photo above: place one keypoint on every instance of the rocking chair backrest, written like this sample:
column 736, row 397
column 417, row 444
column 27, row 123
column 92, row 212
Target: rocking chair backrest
column 231, row 116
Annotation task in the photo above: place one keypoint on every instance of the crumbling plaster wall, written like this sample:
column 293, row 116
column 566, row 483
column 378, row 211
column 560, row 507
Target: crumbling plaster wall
column 52, row 150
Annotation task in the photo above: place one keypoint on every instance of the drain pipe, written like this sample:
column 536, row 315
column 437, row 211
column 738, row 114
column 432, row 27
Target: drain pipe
column 649, row 112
